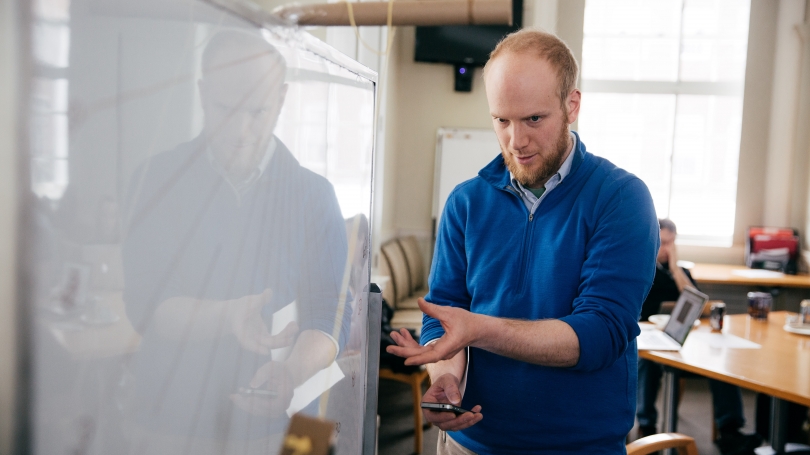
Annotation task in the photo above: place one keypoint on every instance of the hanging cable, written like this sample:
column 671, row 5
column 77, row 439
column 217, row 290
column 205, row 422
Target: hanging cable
column 389, row 25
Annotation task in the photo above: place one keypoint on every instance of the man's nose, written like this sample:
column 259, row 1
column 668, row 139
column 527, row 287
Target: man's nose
column 242, row 120
column 520, row 138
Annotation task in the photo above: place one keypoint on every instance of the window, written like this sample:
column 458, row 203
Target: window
column 49, row 112
column 663, row 92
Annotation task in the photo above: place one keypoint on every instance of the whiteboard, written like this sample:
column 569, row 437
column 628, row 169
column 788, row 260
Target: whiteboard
column 196, row 239
column 460, row 154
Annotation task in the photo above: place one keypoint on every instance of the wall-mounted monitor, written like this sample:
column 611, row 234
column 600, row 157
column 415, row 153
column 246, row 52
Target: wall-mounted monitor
column 464, row 46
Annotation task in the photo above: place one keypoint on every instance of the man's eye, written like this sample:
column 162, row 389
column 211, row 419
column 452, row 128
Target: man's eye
column 534, row 118
column 501, row 120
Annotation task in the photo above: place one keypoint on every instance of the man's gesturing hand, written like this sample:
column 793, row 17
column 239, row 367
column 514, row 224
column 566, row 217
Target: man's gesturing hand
column 459, row 327
column 249, row 328
column 445, row 390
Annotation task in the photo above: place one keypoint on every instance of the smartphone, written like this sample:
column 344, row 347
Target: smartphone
column 443, row 407
column 258, row 392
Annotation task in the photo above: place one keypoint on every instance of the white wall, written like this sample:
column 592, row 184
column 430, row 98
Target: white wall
column 781, row 147
column 8, row 218
column 425, row 101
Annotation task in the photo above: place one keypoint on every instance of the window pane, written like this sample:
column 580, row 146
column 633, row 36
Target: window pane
column 49, row 95
column 631, row 40
column 705, row 161
column 624, row 58
column 715, row 40
column 633, row 131
column 51, row 137
column 49, row 177
column 52, row 44
column 632, row 17
column 52, row 10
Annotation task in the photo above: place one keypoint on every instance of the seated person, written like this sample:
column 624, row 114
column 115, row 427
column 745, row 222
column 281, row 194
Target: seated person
column 668, row 284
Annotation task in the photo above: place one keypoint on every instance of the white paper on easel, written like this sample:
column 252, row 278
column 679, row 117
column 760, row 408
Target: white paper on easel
column 723, row 340
column 314, row 387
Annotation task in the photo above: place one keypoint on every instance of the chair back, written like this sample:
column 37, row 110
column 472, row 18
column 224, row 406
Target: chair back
column 413, row 257
column 650, row 444
column 400, row 278
column 388, row 290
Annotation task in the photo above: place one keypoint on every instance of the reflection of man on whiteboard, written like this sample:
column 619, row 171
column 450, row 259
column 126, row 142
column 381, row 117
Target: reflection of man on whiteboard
column 542, row 262
column 226, row 230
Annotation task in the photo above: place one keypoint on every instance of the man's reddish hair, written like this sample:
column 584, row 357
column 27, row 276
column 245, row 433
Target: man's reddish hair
column 548, row 47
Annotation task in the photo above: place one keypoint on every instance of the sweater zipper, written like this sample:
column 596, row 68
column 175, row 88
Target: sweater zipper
column 524, row 260
column 524, row 254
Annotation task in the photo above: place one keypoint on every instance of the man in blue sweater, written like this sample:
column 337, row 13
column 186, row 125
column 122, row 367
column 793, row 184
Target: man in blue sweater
column 541, row 266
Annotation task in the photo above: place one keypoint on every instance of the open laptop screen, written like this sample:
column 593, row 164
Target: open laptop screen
column 687, row 310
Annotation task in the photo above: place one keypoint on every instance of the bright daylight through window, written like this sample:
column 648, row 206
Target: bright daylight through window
column 662, row 84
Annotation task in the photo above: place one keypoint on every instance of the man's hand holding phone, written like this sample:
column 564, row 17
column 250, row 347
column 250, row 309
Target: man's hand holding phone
column 445, row 390
column 269, row 393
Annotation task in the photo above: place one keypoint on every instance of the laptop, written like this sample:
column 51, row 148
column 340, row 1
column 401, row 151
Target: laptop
column 687, row 310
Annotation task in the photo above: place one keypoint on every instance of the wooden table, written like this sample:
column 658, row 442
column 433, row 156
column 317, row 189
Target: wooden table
column 780, row 368
column 725, row 274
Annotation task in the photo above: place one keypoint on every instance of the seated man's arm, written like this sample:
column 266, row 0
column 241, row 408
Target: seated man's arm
column 678, row 274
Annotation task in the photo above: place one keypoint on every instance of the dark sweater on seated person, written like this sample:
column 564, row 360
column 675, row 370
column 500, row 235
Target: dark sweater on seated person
column 664, row 289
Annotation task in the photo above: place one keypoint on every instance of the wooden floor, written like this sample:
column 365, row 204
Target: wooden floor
column 396, row 418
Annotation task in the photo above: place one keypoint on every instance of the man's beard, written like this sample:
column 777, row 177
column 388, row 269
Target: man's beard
column 549, row 165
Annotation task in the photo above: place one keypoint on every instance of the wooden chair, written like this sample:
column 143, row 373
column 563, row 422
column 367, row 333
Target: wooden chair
column 650, row 444
column 415, row 380
column 416, row 267
column 398, row 291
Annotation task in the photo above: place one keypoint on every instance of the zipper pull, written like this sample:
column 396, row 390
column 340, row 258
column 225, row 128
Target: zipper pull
column 531, row 217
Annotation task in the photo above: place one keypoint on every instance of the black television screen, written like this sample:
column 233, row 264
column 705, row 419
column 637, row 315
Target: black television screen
column 467, row 45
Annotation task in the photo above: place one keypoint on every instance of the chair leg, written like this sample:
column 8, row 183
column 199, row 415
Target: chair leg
column 416, row 389
column 427, row 378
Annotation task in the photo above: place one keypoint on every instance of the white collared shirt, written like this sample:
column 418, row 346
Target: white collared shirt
column 241, row 187
column 529, row 199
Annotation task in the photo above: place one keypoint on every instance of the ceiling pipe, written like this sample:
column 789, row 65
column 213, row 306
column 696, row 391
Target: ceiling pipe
column 404, row 12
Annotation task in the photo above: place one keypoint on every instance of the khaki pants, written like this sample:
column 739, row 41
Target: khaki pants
column 447, row 446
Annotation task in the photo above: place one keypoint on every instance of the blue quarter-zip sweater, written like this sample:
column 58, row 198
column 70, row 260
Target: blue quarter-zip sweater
column 586, row 257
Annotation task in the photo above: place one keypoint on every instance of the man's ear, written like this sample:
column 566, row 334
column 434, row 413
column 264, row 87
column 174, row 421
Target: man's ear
column 573, row 102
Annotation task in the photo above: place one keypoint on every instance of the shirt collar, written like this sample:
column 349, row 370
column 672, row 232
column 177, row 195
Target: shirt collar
column 241, row 186
column 562, row 173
